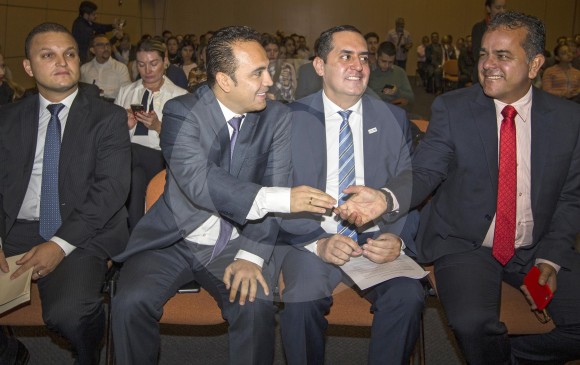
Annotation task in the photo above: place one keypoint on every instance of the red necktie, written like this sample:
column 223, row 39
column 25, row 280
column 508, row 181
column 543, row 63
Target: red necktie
column 505, row 216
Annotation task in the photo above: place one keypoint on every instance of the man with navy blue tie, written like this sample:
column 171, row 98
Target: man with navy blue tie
column 341, row 136
column 64, row 177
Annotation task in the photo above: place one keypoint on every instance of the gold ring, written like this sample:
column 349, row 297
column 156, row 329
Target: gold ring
column 38, row 273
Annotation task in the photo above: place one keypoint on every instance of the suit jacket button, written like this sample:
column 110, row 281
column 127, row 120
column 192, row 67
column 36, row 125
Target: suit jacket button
column 488, row 217
column 182, row 232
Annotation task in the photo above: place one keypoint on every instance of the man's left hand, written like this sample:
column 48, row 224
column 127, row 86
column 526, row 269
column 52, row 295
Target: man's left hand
column 385, row 248
column 43, row 259
column 547, row 276
column 246, row 276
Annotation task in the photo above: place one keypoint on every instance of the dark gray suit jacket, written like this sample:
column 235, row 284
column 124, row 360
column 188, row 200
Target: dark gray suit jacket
column 459, row 155
column 387, row 148
column 94, row 170
column 200, row 181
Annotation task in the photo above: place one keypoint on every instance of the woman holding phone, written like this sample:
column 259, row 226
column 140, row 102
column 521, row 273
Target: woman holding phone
column 144, row 100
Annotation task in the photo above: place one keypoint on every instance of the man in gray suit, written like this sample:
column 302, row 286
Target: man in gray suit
column 380, row 142
column 227, row 150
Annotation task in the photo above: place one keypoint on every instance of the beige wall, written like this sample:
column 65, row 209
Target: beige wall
column 307, row 17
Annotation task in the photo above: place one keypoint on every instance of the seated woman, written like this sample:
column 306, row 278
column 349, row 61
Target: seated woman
column 144, row 100
column 9, row 90
column 187, row 57
column 562, row 79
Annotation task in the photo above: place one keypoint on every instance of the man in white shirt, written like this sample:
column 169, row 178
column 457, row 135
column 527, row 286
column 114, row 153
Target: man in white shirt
column 322, row 154
column 103, row 70
column 226, row 149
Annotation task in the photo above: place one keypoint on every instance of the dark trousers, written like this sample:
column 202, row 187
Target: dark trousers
column 469, row 287
column 145, row 164
column 71, row 299
column 397, row 305
column 150, row 278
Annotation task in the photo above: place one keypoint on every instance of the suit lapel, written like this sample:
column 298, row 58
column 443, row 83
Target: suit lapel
column 29, row 122
column 371, row 140
column 243, row 142
column 540, row 143
column 77, row 121
column 483, row 110
column 317, row 139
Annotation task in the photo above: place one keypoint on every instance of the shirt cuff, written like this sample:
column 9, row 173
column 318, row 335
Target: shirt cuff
column 312, row 247
column 395, row 201
column 245, row 255
column 555, row 266
column 64, row 245
column 270, row 200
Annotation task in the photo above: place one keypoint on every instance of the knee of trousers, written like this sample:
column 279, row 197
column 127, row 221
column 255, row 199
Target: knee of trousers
column 69, row 318
column 406, row 297
column 474, row 324
column 133, row 303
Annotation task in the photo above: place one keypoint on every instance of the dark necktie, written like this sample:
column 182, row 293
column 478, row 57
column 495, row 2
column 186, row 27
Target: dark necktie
column 50, row 219
column 505, row 215
column 226, row 228
column 141, row 129
column 346, row 171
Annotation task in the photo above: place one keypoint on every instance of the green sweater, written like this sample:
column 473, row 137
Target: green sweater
column 394, row 76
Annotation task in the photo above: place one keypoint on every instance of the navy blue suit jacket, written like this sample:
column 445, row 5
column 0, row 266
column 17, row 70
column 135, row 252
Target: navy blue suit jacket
column 459, row 157
column 387, row 149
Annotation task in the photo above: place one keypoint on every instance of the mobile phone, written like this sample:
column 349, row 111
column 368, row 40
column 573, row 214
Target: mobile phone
column 137, row 108
column 191, row 287
column 388, row 86
column 541, row 294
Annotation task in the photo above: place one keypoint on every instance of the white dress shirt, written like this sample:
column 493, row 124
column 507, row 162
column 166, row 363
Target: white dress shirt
column 109, row 76
column 268, row 200
column 133, row 94
column 30, row 209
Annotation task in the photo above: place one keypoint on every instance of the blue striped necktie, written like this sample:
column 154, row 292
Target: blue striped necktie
column 50, row 220
column 346, row 171
column 226, row 228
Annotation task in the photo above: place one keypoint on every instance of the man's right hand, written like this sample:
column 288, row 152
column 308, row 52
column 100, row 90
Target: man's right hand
column 3, row 263
column 306, row 199
column 364, row 205
column 338, row 249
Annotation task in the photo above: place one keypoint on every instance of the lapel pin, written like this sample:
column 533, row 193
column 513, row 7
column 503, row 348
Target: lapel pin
column 372, row 130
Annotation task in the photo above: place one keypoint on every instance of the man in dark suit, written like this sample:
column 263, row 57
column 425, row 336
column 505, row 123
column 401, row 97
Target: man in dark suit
column 486, row 223
column 210, row 224
column 64, row 175
column 381, row 143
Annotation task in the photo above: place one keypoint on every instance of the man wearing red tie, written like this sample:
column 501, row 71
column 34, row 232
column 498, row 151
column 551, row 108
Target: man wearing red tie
column 505, row 160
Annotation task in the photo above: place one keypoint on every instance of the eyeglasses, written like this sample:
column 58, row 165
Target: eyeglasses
column 103, row 45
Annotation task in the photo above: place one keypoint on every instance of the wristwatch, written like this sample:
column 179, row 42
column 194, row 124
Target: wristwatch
column 389, row 199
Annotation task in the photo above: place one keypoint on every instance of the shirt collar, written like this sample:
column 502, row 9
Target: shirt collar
column 66, row 101
column 330, row 108
column 228, row 114
column 522, row 106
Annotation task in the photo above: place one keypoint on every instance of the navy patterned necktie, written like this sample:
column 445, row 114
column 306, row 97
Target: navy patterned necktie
column 141, row 129
column 50, row 220
column 346, row 171
column 226, row 228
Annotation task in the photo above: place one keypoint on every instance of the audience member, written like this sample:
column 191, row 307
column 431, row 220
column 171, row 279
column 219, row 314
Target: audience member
column 173, row 50
column 63, row 203
column 422, row 60
column 124, row 51
column 322, row 124
column 187, row 57
column 308, row 80
column 401, row 38
column 282, row 72
column 6, row 92
column 492, row 7
column 84, row 28
column 389, row 81
column 449, row 52
column 562, row 79
column 434, row 55
column 151, row 93
column 466, row 63
column 210, row 225
column 166, row 34
column 524, row 211
column 290, row 45
column 103, row 70
column 372, row 39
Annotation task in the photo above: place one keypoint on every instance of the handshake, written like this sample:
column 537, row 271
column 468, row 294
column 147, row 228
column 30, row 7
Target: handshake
column 363, row 205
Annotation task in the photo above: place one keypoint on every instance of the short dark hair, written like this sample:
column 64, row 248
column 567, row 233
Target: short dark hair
column 269, row 39
column 152, row 45
column 44, row 28
column 535, row 41
column 98, row 35
column 87, row 7
column 371, row 35
column 387, row 48
column 220, row 52
column 325, row 43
